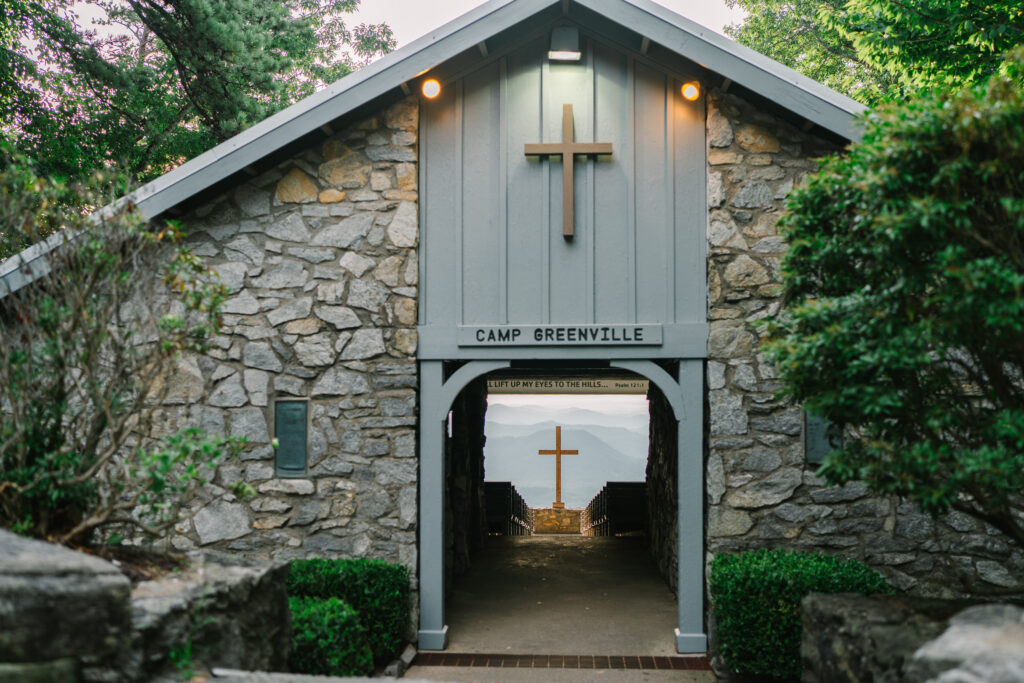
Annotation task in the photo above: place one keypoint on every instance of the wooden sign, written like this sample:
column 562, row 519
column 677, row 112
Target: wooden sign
column 566, row 385
column 559, row 335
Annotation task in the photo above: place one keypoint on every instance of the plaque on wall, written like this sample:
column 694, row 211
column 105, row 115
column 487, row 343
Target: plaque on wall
column 290, row 429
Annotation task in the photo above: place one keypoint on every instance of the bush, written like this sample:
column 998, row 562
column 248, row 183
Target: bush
column 378, row 590
column 756, row 599
column 327, row 639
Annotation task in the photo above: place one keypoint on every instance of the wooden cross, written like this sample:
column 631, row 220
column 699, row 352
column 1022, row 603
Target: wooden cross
column 558, row 453
column 568, row 149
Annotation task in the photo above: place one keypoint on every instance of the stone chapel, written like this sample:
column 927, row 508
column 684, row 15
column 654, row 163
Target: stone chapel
column 584, row 186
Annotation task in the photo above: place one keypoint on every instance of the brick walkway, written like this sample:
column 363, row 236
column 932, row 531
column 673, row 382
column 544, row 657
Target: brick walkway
column 563, row 661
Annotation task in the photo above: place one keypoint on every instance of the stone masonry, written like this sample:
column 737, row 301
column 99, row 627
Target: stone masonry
column 319, row 257
column 760, row 491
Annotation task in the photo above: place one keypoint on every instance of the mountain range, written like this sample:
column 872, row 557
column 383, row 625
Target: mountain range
column 607, row 452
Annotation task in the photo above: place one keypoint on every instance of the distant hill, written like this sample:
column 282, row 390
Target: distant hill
column 538, row 414
column 607, row 453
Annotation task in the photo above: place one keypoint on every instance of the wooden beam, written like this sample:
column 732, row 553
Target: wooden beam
column 482, row 46
column 251, row 172
column 406, row 89
column 326, row 128
column 725, row 85
column 565, row 8
column 808, row 125
column 645, row 45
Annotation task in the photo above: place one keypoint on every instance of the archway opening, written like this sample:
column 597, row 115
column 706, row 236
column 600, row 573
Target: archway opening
column 525, row 573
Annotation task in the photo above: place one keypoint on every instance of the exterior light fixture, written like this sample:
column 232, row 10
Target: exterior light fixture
column 565, row 45
column 431, row 88
column 691, row 91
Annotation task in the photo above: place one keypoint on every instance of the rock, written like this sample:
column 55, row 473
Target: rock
column 716, row 190
column 295, row 487
column 288, row 228
column 303, row 327
column 405, row 311
column 330, row 292
column 724, row 521
column 757, row 139
column 340, row 382
column 331, row 196
column 230, row 393
column 754, row 195
column 287, row 274
column 243, row 249
column 720, row 132
column 367, row 294
column 355, row 263
column 260, row 355
column 243, row 304
column 996, row 574
column 405, row 174
column 221, row 521
column 388, row 271
column 759, row 460
column 853, row 638
column 390, row 153
column 185, row 385
column 253, row 201
column 773, row 489
column 790, row 421
column 366, row 343
column 730, row 339
column 745, row 272
column 59, row 604
column 982, row 643
column 344, row 165
column 727, row 413
column 232, row 615
column 403, row 115
column 404, row 227
column 256, row 383
column 374, row 504
column 231, row 275
column 315, row 351
column 296, row 188
column 311, row 254
column 851, row 490
column 344, row 234
column 341, row 317
column 293, row 310
column 250, row 423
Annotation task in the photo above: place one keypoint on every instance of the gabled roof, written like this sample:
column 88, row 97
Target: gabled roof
column 755, row 72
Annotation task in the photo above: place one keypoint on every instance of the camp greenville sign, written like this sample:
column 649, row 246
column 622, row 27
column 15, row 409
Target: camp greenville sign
column 559, row 335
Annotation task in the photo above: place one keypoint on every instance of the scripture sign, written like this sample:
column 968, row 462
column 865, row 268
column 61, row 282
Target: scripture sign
column 566, row 385
column 560, row 335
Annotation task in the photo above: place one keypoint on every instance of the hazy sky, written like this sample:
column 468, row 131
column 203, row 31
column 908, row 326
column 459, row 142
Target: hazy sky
column 410, row 19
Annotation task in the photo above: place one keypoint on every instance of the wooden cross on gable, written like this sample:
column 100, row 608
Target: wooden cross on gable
column 568, row 148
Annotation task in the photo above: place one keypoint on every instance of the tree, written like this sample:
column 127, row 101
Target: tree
column 791, row 32
column 164, row 80
column 86, row 353
column 875, row 50
column 903, row 320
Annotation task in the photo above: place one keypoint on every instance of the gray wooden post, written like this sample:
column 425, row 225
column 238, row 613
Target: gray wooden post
column 690, row 635
column 433, row 632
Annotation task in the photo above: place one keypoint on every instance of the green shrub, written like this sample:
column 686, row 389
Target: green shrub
column 756, row 600
column 327, row 639
column 377, row 590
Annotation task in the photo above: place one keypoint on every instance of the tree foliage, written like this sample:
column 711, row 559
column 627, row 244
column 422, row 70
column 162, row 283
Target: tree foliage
column 875, row 50
column 904, row 302
column 160, row 81
column 86, row 351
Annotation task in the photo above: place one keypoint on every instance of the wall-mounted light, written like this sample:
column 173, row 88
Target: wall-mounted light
column 691, row 91
column 565, row 44
column 431, row 88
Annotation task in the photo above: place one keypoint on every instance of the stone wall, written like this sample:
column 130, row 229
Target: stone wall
column 760, row 490
column 319, row 256
column 662, row 491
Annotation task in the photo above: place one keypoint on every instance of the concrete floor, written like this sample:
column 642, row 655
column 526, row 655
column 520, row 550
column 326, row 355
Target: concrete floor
column 561, row 595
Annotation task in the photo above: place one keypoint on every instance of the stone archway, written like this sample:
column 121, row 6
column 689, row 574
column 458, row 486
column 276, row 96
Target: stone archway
column 684, row 395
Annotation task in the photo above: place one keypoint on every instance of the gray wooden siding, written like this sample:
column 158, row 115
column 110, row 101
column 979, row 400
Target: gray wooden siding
column 492, row 251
